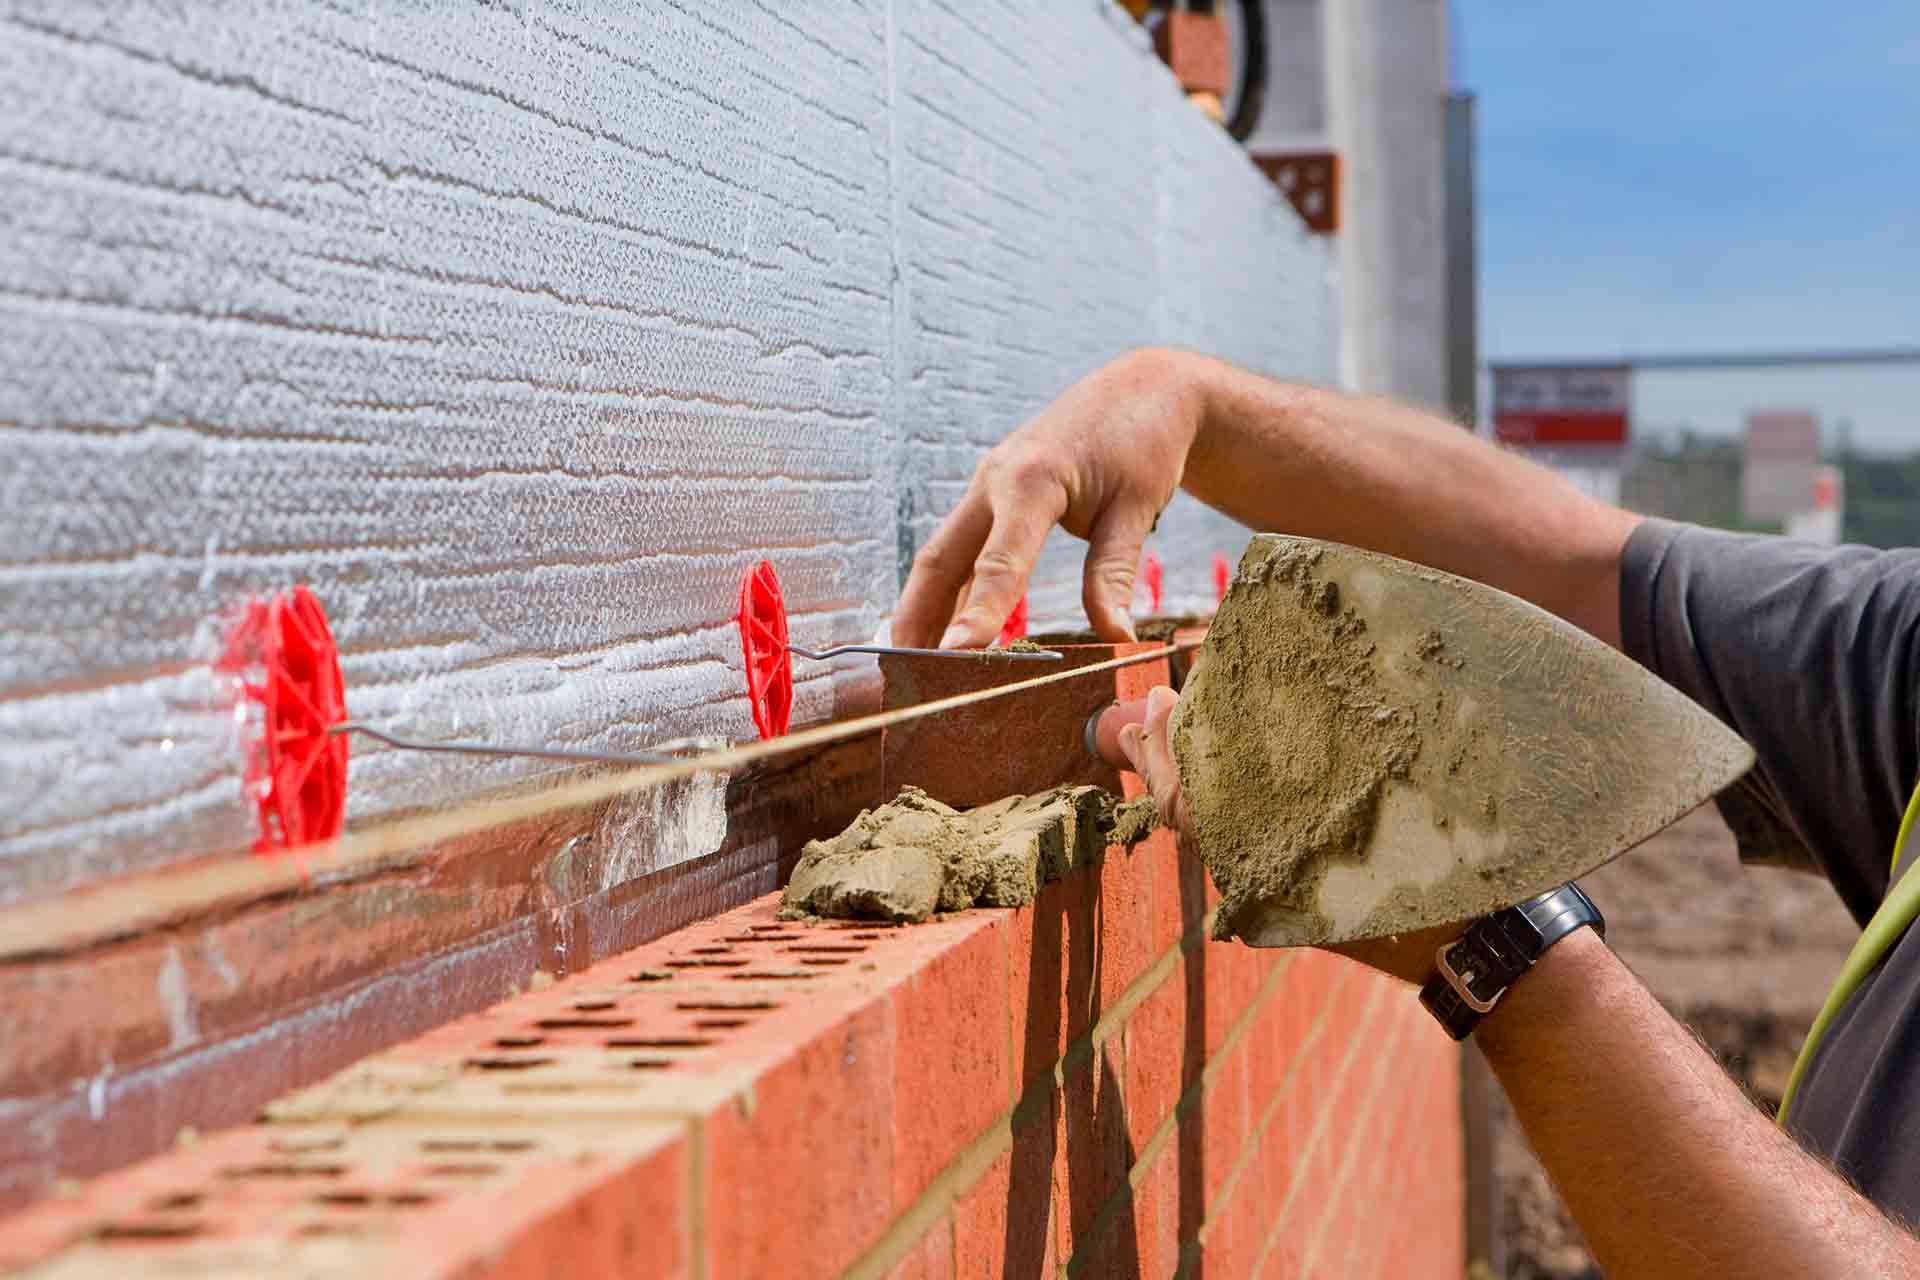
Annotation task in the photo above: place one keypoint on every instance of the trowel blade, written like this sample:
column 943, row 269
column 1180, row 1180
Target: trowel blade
column 1370, row 747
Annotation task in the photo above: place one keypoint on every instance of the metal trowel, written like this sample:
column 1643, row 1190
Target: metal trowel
column 1371, row 747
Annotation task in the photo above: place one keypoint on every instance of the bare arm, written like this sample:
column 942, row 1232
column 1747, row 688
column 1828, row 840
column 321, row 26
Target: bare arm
column 1106, row 457
column 1668, row 1169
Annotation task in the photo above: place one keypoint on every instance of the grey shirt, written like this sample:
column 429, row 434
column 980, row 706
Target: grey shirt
column 1812, row 654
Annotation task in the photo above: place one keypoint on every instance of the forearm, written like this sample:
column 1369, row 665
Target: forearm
column 1667, row 1168
column 1376, row 474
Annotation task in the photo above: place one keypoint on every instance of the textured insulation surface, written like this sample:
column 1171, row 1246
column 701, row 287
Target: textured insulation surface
column 518, row 332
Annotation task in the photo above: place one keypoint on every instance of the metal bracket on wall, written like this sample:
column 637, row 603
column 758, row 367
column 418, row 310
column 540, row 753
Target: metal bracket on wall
column 1311, row 180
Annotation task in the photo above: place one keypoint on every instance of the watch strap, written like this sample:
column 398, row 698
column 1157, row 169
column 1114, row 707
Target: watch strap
column 1474, row 970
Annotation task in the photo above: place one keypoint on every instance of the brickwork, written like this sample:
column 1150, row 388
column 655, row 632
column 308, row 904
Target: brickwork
column 1083, row 1084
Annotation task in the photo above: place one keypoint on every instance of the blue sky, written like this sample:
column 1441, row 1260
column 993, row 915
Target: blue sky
column 1661, row 175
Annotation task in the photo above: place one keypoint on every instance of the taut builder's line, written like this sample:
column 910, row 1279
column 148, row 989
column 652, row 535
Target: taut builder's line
column 133, row 904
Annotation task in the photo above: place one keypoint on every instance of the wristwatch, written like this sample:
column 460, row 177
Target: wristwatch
column 1473, row 971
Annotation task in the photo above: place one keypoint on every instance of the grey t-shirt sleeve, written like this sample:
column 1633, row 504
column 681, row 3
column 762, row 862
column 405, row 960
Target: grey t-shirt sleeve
column 1810, row 654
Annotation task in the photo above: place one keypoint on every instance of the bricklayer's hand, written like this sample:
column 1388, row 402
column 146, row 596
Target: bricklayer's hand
column 1101, row 462
column 1149, row 750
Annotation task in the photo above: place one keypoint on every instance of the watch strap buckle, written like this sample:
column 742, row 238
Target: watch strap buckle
column 1462, row 983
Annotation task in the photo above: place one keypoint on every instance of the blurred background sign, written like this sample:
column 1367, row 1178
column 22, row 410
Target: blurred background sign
column 1778, row 462
column 1562, row 406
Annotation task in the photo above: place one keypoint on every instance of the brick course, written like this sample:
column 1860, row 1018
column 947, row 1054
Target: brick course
column 1001, row 1092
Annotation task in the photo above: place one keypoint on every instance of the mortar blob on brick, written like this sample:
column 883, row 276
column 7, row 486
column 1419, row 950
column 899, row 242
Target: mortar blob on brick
column 915, row 856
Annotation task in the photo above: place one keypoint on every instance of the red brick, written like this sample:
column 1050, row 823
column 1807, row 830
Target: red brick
column 1039, row 736
column 1159, row 1059
column 1195, row 47
column 1092, row 1152
column 633, row 1223
column 1120, row 893
column 1003, row 1224
column 1223, row 1110
column 1178, row 886
column 931, row 1258
column 812, row 1152
column 950, row 1055
column 1052, row 983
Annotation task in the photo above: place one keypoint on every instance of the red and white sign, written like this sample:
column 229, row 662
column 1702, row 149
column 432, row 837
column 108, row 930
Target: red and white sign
column 1556, row 406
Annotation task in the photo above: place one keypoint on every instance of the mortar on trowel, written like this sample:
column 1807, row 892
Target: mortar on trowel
column 1369, row 747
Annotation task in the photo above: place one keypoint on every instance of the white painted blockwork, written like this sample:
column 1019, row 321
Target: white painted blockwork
column 518, row 332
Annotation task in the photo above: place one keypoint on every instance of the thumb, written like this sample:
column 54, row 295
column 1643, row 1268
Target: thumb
column 1113, row 557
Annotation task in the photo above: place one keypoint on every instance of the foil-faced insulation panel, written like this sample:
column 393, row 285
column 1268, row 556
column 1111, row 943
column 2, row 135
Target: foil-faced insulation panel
column 519, row 333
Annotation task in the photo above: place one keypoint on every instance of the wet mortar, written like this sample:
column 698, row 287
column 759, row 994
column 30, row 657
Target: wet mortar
column 912, row 857
column 1305, row 788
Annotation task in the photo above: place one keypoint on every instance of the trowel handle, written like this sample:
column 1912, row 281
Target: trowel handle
column 1103, row 730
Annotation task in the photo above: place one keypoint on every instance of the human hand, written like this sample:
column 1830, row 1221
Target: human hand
column 1101, row 462
column 1149, row 749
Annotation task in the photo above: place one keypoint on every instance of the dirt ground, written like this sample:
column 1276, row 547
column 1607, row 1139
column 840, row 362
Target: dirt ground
column 1742, row 955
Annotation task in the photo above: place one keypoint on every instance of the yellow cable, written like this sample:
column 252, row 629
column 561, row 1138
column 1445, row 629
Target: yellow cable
column 1897, row 910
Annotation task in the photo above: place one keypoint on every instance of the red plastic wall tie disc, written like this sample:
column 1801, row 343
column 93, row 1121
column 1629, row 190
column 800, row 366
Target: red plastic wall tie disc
column 1155, row 578
column 296, row 769
column 1015, row 627
column 1222, row 575
column 763, row 643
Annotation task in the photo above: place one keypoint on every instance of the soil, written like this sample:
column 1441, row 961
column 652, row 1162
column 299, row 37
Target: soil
column 1743, row 955
column 915, row 856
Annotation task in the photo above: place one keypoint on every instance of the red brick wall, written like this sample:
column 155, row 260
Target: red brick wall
column 1084, row 1082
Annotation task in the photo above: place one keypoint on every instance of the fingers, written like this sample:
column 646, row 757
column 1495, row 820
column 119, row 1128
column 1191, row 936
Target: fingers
column 940, row 572
column 1024, row 510
column 1156, row 747
column 1113, row 557
column 1150, row 751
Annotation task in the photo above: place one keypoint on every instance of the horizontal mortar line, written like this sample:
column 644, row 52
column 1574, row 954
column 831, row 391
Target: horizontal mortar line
column 203, row 792
column 1250, row 1146
column 233, row 199
column 354, row 656
column 1021, row 109
column 708, row 632
column 967, row 130
column 1343, row 1174
column 546, row 557
column 247, row 85
column 645, row 313
column 610, row 228
column 457, row 284
column 653, row 71
column 1321, row 1124
column 966, row 1169
column 1191, row 1253
column 1045, row 223
column 1038, row 76
column 555, row 551
column 14, row 298
column 379, row 461
column 846, row 286
column 651, row 155
column 682, row 399
column 1189, row 1101
column 777, row 12
column 1399, row 1172
column 700, row 13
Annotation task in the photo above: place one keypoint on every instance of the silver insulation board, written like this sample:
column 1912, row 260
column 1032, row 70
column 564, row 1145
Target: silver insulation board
column 518, row 332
